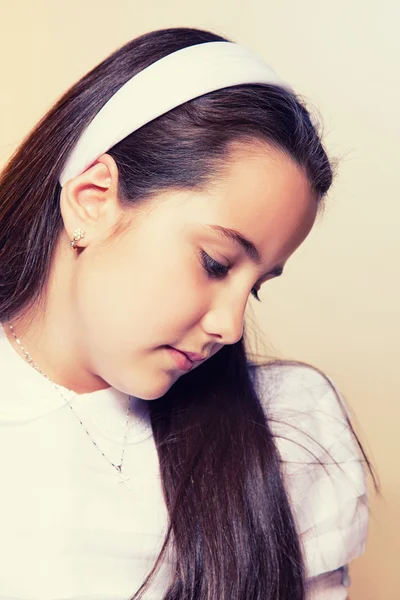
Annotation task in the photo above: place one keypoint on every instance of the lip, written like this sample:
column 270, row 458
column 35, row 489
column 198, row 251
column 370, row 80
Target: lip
column 182, row 361
column 193, row 356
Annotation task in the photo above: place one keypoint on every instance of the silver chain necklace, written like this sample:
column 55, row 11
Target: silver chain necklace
column 123, row 479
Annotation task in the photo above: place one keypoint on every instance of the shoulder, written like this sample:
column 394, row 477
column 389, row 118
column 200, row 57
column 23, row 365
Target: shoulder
column 289, row 379
column 306, row 412
column 322, row 465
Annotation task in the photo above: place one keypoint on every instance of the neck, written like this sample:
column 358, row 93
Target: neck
column 50, row 334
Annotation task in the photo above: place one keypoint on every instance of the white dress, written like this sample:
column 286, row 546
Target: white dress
column 72, row 530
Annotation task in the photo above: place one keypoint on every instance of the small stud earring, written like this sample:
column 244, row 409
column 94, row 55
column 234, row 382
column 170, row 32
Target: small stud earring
column 78, row 235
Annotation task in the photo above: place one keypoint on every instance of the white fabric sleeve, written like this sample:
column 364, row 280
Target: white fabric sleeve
column 329, row 586
column 329, row 502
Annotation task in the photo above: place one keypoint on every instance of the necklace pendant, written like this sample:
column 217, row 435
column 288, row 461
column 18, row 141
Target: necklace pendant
column 124, row 479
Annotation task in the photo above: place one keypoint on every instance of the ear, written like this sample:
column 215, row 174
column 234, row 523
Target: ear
column 90, row 201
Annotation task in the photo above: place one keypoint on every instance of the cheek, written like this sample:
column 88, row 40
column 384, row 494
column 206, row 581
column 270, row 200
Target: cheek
column 138, row 302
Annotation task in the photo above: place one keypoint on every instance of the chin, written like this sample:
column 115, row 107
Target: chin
column 158, row 391
column 153, row 391
column 144, row 383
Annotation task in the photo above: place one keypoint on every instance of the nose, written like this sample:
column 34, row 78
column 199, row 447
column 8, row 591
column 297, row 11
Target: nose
column 225, row 322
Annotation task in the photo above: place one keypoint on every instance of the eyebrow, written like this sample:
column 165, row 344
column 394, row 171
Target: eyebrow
column 245, row 244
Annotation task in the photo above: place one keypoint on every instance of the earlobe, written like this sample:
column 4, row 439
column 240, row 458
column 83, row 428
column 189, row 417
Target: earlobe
column 78, row 235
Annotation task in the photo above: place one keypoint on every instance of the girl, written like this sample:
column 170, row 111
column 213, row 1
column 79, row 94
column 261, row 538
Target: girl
column 162, row 190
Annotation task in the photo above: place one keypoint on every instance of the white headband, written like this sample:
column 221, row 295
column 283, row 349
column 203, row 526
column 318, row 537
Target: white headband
column 169, row 82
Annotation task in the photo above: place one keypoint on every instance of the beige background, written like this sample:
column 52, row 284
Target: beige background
column 337, row 305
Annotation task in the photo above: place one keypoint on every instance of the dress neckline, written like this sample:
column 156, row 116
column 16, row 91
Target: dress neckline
column 28, row 395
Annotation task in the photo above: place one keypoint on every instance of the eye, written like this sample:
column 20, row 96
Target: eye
column 215, row 270
column 212, row 267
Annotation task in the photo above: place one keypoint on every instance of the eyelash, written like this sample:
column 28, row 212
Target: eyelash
column 215, row 269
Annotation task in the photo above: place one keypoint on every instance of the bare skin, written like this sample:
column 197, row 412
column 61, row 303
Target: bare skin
column 110, row 308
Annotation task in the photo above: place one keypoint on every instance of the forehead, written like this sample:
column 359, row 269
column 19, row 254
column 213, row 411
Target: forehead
column 259, row 192
column 265, row 195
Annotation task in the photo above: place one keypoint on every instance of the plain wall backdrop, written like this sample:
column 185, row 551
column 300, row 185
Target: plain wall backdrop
column 337, row 304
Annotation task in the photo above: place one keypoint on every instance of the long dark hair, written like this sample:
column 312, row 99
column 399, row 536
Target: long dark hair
column 230, row 521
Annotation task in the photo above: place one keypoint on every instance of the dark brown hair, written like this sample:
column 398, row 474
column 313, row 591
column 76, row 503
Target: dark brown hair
column 231, row 524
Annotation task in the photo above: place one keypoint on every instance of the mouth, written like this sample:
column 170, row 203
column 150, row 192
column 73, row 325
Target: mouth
column 193, row 356
column 181, row 360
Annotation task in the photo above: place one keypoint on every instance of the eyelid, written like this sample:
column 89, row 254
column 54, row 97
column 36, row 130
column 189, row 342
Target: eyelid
column 215, row 254
column 217, row 269
column 267, row 277
column 244, row 245
column 231, row 264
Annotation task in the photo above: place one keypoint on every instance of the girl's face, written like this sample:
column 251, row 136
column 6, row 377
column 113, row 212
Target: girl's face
column 156, row 284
